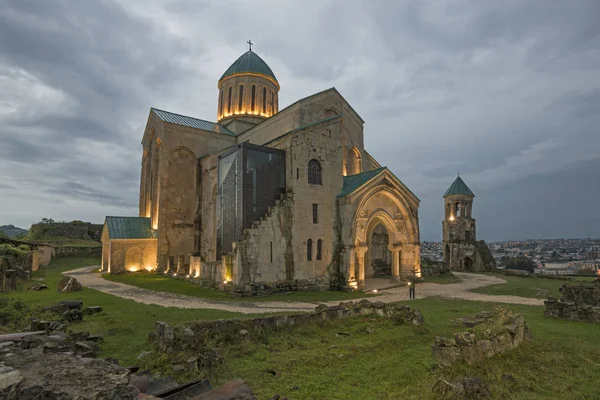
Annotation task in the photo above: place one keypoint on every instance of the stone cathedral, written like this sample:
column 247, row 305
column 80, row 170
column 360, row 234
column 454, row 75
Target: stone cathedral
column 462, row 250
column 265, row 195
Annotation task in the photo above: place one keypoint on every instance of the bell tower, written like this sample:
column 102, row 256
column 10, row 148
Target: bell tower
column 458, row 228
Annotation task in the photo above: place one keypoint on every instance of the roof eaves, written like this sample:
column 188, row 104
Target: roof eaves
column 178, row 121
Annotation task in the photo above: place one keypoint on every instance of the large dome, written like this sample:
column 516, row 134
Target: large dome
column 249, row 62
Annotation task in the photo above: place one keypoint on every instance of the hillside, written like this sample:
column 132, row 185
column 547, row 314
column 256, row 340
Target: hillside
column 12, row 231
column 74, row 233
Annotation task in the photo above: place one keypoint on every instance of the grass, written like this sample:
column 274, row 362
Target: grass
column 391, row 362
column 443, row 280
column 124, row 324
column 528, row 286
column 395, row 362
column 165, row 283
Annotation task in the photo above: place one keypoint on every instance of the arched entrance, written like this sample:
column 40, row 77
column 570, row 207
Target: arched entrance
column 378, row 260
column 382, row 212
column 468, row 264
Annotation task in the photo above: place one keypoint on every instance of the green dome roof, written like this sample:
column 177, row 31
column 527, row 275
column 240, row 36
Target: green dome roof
column 458, row 187
column 249, row 62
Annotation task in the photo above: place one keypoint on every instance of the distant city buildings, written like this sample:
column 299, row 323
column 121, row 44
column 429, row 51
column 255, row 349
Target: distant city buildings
column 552, row 256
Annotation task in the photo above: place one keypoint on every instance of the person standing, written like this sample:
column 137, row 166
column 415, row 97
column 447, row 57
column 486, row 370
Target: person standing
column 411, row 290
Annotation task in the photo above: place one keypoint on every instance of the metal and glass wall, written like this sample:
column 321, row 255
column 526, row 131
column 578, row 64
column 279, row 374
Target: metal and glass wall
column 251, row 179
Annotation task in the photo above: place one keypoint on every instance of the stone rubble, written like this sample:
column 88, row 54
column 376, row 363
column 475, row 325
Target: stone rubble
column 69, row 285
column 488, row 334
column 578, row 302
column 468, row 388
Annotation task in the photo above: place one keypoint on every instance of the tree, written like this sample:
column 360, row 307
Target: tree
column 3, row 235
column 47, row 221
column 521, row 263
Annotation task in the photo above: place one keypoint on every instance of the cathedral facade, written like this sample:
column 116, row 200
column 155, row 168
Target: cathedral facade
column 265, row 195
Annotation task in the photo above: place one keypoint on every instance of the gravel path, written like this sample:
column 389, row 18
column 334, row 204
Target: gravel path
column 451, row 291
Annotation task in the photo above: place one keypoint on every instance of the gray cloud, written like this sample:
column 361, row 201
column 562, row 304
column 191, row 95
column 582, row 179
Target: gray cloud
column 506, row 93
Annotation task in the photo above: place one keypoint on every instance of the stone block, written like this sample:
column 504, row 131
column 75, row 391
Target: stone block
column 447, row 356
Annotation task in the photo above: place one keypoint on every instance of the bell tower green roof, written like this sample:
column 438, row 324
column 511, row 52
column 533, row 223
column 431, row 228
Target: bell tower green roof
column 459, row 187
column 249, row 62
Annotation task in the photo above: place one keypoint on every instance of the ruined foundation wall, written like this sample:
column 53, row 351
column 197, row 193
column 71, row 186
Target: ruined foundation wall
column 577, row 303
column 490, row 333
column 199, row 336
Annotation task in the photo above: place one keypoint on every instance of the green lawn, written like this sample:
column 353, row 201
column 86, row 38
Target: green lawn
column 443, row 280
column 391, row 362
column 395, row 362
column 528, row 286
column 124, row 324
column 165, row 283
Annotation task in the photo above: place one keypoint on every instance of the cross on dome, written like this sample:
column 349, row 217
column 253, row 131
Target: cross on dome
column 250, row 44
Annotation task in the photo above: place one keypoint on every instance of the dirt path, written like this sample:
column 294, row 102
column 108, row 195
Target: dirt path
column 452, row 291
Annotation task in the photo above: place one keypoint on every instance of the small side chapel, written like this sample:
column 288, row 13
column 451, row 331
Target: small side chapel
column 265, row 195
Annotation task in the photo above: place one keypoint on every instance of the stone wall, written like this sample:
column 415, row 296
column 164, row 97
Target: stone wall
column 489, row 333
column 204, row 335
column 64, row 251
column 577, row 303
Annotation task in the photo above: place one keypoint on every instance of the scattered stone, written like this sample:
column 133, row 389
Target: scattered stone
column 30, row 373
column 93, row 310
column 343, row 334
column 469, row 388
column 270, row 371
column 476, row 388
column 508, row 378
column 367, row 330
column 10, row 379
column 73, row 315
column 47, row 326
column 38, row 286
column 69, row 285
column 244, row 332
column 447, row 389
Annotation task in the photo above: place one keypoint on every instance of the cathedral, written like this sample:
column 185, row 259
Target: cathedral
column 264, row 195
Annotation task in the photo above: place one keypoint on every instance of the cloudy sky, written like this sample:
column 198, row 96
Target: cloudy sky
column 505, row 92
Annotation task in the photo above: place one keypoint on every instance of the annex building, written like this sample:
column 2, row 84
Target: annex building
column 265, row 195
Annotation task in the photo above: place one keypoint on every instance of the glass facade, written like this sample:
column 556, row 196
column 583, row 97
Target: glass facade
column 251, row 178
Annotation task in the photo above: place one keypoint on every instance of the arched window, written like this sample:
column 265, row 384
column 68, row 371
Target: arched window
column 309, row 250
column 272, row 102
column 220, row 111
column 253, row 97
column 229, row 101
column 314, row 172
column 241, row 102
column 264, row 100
column 319, row 246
